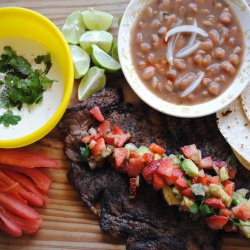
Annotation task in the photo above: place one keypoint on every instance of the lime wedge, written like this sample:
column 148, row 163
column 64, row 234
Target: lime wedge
column 101, row 38
column 73, row 27
column 104, row 60
column 81, row 61
column 120, row 20
column 114, row 51
column 97, row 20
column 91, row 83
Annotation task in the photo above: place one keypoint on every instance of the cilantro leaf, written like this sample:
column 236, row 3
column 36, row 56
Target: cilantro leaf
column 205, row 210
column 84, row 153
column 8, row 118
column 232, row 161
column 194, row 209
column 46, row 59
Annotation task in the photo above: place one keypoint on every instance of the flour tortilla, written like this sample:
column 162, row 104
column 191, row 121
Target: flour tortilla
column 245, row 163
column 245, row 101
column 235, row 127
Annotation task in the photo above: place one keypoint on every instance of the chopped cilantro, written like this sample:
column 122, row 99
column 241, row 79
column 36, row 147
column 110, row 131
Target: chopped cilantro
column 46, row 59
column 84, row 153
column 232, row 161
column 205, row 210
column 194, row 209
column 8, row 118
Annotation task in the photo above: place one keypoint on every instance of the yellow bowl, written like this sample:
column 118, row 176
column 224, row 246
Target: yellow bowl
column 24, row 23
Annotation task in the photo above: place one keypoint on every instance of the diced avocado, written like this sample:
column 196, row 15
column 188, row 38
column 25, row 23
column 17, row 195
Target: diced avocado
column 186, row 203
column 218, row 191
column 142, row 150
column 169, row 196
column 245, row 228
column 190, row 168
column 223, row 174
column 239, row 195
column 175, row 160
column 130, row 146
column 158, row 157
column 198, row 189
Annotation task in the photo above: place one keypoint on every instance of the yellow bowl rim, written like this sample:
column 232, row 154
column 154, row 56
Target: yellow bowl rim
column 50, row 124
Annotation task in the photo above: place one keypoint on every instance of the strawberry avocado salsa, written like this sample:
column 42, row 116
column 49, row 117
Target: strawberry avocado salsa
column 200, row 186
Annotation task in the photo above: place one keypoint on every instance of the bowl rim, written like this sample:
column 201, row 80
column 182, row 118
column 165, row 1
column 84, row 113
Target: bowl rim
column 69, row 78
column 177, row 110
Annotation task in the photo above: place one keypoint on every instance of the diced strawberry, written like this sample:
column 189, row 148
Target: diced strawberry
column 203, row 179
column 135, row 166
column 181, row 183
column 121, row 140
column 173, row 175
column 133, row 154
column 110, row 139
column 123, row 168
column 191, row 152
column 217, row 222
column 206, row 163
column 166, row 168
column 214, row 203
column 158, row 182
column 86, row 139
column 214, row 180
column 97, row 136
column 118, row 131
column 132, row 188
column 120, row 155
column 96, row 112
column 242, row 211
column 157, row 149
column 104, row 127
column 148, row 157
column 229, row 187
column 232, row 173
column 98, row 148
column 150, row 169
column 187, row 192
column 226, row 212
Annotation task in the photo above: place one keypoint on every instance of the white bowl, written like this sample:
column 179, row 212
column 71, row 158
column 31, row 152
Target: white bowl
column 133, row 10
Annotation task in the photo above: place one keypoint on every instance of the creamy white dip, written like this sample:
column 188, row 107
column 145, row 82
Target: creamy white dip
column 35, row 116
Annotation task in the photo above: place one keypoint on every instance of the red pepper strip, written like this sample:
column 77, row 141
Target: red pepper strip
column 28, row 184
column 26, row 159
column 27, row 226
column 40, row 179
column 17, row 207
column 30, row 197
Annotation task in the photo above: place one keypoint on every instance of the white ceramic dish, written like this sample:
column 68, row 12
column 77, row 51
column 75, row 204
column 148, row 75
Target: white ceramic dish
column 134, row 8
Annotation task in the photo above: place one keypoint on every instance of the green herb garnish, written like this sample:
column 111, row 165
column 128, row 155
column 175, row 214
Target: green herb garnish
column 84, row 153
column 8, row 118
column 46, row 59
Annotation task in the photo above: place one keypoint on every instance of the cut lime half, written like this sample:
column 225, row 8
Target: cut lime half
column 104, row 60
column 81, row 61
column 101, row 38
column 114, row 51
column 91, row 83
column 97, row 20
column 73, row 27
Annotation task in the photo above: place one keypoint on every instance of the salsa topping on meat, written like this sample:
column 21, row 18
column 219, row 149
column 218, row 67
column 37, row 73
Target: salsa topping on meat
column 197, row 184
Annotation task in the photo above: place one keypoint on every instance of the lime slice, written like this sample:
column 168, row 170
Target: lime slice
column 97, row 20
column 104, row 60
column 81, row 61
column 91, row 83
column 114, row 51
column 101, row 38
column 73, row 27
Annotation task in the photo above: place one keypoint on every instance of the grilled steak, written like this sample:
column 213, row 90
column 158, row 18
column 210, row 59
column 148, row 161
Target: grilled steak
column 147, row 222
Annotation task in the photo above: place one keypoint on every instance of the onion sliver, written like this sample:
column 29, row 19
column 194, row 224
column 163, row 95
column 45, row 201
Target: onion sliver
column 193, row 85
column 193, row 36
column 171, row 47
column 188, row 50
column 186, row 28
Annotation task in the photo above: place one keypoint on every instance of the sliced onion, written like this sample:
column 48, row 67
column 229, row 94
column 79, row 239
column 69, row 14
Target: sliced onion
column 193, row 85
column 193, row 36
column 171, row 48
column 185, row 28
column 188, row 50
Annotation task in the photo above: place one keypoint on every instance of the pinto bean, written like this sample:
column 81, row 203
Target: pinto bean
column 213, row 69
column 162, row 31
column 155, row 24
column 207, row 60
column 228, row 67
column 155, row 40
column 193, row 7
column 179, row 64
column 207, row 45
column 151, row 58
column 231, row 41
column 234, row 59
column 139, row 37
column 182, row 10
column 169, row 86
column 141, row 64
column 219, row 53
column 185, row 81
column 218, row 7
column 141, row 25
column 198, row 59
column 206, row 81
column 145, row 47
column 205, row 11
column 148, row 73
column 214, row 88
column 207, row 23
column 214, row 36
column 171, row 74
column 225, row 18
column 237, row 50
column 150, row 12
column 234, row 30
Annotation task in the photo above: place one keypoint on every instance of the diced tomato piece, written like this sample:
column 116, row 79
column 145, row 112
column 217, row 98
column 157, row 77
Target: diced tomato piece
column 191, row 152
column 229, row 187
column 132, row 188
column 123, row 168
column 104, row 127
column 17, row 207
column 215, row 203
column 217, row 222
column 226, row 212
column 174, row 174
column 181, row 183
column 157, row 149
column 97, row 136
column 158, row 182
column 148, row 157
column 165, row 168
column 121, row 140
column 99, row 147
column 232, row 173
column 242, row 211
column 187, row 192
column 120, row 155
column 26, row 159
column 214, row 180
column 150, row 169
column 203, row 180
column 206, row 163
column 133, row 154
column 118, row 131
column 135, row 166
column 96, row 112
column 110, row 139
